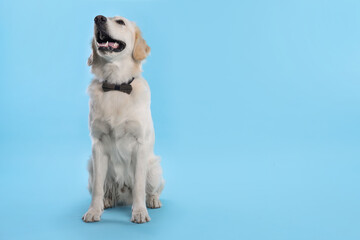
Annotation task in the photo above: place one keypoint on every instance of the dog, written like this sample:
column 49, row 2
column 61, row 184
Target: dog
column 123, row 168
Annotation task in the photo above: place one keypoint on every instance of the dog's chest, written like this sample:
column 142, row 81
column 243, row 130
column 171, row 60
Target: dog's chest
column 115, row 116
column 115, row 106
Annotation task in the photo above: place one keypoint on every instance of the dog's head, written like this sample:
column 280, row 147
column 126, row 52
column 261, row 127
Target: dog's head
column 117, row 37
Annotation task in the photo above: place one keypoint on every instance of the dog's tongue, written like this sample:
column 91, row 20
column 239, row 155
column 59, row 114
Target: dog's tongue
column 113, row 44
column 109, row 44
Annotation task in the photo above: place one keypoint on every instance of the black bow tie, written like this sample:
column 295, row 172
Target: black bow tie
column 124, row 87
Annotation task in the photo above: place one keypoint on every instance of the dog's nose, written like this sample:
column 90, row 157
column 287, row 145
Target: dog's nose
column 100, row 19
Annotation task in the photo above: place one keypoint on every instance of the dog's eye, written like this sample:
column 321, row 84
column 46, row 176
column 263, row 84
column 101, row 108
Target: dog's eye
column 121, row 22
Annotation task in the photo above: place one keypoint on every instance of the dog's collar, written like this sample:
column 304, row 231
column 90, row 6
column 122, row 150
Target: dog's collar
column 124, row 87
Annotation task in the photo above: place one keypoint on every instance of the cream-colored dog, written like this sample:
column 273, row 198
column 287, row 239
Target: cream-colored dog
column 123, row 168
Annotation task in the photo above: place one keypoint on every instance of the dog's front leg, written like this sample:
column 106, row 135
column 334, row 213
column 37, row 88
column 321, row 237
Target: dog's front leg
column 100, row 166
column 139, row 211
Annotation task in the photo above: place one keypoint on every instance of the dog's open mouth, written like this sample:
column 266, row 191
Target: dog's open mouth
column 107, row 44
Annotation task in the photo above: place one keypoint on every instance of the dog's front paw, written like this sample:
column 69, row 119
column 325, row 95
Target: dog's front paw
column 140, row 215
column 92, row 215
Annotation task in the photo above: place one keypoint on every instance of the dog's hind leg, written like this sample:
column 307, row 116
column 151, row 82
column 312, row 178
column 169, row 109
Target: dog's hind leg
column 108, row 203
column 155, row 184
column 110, row 189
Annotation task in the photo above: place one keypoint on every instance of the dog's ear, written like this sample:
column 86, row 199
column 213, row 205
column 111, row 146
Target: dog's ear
column 90, row 60
column 141, row 49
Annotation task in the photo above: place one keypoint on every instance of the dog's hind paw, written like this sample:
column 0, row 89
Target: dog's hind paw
column 92, row 215
column 108, row 203
column 153, row 202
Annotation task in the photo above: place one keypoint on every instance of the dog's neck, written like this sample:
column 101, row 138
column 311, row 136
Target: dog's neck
column 118, row 72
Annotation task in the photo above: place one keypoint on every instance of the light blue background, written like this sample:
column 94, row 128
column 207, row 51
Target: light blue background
column 255, row 106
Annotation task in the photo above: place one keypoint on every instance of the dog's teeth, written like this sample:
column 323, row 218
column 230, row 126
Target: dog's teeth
column 106, row 44
column 116, row 45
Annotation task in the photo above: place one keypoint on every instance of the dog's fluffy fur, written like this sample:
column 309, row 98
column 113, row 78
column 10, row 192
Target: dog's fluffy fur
column 123, row 168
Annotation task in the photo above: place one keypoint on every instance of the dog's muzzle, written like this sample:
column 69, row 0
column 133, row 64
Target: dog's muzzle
column 103, row 41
